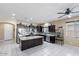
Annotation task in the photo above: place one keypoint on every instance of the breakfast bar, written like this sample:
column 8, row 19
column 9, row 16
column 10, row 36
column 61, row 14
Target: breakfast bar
column 30, row 41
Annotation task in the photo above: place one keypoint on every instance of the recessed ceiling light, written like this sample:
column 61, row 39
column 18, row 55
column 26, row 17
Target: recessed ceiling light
column 13, row 14
column 31, row 18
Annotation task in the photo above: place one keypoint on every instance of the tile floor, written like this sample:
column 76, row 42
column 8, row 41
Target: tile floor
column 9, row 48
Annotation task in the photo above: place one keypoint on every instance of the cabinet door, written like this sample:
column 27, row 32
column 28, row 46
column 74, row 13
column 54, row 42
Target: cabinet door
column 52, row 39
column 39, row 28
column 37, row 41
column 52, row 28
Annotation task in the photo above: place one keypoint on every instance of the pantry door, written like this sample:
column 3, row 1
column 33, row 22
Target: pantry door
column 8, row 31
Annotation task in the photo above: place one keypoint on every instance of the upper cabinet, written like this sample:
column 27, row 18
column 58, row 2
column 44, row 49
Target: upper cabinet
column 39, row 28
column 51, row 28
column 48, row 29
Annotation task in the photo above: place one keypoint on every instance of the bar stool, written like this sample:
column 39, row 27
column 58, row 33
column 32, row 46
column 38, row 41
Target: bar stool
column 59, row 40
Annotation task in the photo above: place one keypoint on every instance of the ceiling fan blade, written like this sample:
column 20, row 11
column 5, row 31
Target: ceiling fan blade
column 61, row 16
column 60, row 13
column 75, row 12
column 74, row 7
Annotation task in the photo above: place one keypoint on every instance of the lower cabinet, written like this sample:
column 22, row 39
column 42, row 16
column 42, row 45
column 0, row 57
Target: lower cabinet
column 25, row 44
column 50, row 39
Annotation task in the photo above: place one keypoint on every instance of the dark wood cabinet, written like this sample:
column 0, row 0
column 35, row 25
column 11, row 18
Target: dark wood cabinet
column 25, row 44
column 52, row 39
column 51, row 28
column 39, row 28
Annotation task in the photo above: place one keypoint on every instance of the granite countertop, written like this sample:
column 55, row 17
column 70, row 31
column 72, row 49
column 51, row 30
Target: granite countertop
column 50, row 35
column 47, row 34
column 30, row 37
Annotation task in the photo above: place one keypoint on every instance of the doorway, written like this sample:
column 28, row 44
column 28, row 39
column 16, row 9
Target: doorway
column 1, row 32
column 6, row 31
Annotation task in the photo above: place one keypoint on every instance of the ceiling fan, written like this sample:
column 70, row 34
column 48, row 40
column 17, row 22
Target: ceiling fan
column 67, row 12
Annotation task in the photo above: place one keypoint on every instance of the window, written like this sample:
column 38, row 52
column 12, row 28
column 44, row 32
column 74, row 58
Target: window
column 72, row 29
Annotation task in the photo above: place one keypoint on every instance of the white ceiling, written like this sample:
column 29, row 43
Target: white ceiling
column 34, row 12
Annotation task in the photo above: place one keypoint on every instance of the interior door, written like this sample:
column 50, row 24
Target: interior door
column 8, row 31
column 1, row 32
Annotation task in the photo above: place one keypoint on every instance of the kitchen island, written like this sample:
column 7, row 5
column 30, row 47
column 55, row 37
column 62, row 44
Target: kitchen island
column 30, row 41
